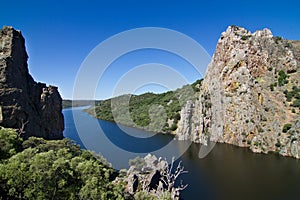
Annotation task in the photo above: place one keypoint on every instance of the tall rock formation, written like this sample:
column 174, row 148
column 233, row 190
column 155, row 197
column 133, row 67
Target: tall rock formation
column 32, row 108
column 250, row 96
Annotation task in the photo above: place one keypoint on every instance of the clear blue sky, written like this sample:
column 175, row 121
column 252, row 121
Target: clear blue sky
column 60, row 34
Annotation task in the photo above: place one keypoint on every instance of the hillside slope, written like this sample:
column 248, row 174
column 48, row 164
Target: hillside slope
column 149, row 111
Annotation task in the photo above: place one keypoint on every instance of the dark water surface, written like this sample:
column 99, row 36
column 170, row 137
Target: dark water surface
column 228, row 172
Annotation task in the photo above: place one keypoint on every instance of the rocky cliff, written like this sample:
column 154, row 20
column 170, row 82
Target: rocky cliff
column 250, row 96
column 32, row 108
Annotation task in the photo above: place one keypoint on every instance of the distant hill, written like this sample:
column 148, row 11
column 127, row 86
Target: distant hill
column 163, row 109
column 77, row 103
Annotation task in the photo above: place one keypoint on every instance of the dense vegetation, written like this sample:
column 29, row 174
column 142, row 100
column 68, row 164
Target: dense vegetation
column 41, row 169
column 292, row 95
column 154, row 112
column 58, row 169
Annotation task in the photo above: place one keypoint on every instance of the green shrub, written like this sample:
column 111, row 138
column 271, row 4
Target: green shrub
column 176, row 117
column 173, row 127
column 196, row 85
column 282, row 79
column 295, row 93
column 277, row 39
column 10, row 143
column 288, row 95
column 142, row 195
column 137, row 162
column 295, row 88
column 296, row 103
column 286, row 127
column 245, row 37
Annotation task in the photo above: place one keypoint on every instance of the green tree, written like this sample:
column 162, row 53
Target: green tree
column 282, row 79
column 56, row 170
column 10, row 143
column 14, row 174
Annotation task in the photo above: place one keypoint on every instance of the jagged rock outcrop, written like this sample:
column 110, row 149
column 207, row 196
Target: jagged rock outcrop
column 32, row 108
column 153, row 176
column 146, row 172
column 250, row 95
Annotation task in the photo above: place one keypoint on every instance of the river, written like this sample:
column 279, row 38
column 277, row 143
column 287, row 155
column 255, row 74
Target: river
column 227, row 172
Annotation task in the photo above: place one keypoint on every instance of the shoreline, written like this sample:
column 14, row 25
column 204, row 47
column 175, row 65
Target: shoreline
column 175, row 136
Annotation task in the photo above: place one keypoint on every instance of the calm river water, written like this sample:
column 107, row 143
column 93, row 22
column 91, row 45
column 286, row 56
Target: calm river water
column 228, row 172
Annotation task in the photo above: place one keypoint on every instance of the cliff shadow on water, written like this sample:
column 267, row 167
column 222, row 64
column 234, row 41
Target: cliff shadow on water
column 230, row 172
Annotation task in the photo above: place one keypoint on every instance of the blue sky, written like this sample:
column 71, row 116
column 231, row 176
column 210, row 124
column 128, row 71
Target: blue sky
column 60, row 34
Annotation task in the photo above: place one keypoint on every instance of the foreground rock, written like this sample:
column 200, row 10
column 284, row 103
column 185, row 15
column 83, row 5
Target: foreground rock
column 32, row 108
column 152, row 176
column 249, row 96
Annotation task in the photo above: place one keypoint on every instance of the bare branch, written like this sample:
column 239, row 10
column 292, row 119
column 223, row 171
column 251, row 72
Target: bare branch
column 21, row 130
column 169, row 175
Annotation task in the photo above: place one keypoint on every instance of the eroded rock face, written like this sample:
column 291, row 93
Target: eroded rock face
column 32, row 108
column 243, row 97
column 152, row 175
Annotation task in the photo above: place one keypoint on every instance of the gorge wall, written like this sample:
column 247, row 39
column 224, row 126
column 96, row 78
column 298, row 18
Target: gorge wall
column 249, row 96
column 32, row 108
